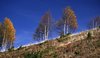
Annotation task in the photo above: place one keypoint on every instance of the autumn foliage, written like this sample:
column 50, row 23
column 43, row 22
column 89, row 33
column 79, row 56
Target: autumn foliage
column 1, row 34
column 7, row 31
column 68, row 21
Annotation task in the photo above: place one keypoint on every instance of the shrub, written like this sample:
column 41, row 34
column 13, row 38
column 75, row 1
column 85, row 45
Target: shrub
column 68, row 34
column 89, row 35
column 76, row 53
column 99, row 26
column 61, row 39
column 11, row 49
column 65, row 35
column 62, row 36
column 20, row 47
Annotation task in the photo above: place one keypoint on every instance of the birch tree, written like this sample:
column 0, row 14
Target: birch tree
column 9, row 33
column 59, row 26
column 44, row 27
column 46, row 22
column 95, row 22
column 39, row 33
column 69, row 20
column 1, row 34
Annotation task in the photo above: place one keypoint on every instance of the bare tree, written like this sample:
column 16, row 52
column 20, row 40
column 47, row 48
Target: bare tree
column 95, row 22
column 44, row 27
column 39, row 33
column 46, row 21
column 59, row 26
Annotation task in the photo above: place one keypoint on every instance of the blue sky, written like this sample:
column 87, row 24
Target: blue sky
column 26, row 14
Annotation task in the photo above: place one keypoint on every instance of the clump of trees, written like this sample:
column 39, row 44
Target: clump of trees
column 67, row 24
column 7, row 34
column 95, row 22
column 43, row 30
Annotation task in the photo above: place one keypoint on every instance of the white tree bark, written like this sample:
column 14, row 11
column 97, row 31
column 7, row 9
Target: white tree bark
column 45, row 33
column 11, row 44
column 4, row 43
column 64, row 29
column 43, row 36
column 67, row 29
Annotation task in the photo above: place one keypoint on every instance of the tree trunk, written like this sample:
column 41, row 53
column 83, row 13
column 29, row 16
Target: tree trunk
column 67, row 29
column 4, row 42
column 10, row 45
column 45, row 33
column 48, row 28
column 43, row 36
column 64, row 29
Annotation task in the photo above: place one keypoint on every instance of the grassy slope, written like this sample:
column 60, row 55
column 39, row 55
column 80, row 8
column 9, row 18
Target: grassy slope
column 89, row 47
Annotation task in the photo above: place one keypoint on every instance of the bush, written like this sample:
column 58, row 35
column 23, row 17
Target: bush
column 61, row 39
column 99, row 26
column 20, row 47
column 11, row 49
column 62, row 36
column 76, row 53
column 68, row 34
column 89, row 35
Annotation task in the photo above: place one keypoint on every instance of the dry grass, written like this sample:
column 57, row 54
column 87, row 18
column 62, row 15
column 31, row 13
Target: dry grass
column 89, row 47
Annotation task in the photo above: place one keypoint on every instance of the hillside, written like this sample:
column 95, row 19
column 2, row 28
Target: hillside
column 82, row 45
